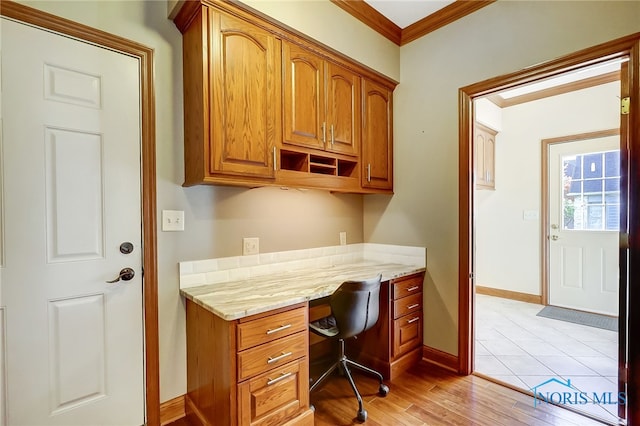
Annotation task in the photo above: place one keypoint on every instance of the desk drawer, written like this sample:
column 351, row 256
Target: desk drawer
column 274, row 397
column 407, row 305
column 408, row 286
column 407, row 333
column 261, row 358
column 266, row 329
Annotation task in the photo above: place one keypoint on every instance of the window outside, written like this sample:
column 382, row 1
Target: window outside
column 591, row 191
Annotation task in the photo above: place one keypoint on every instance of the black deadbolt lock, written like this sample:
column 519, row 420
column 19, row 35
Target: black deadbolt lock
column 126, row 248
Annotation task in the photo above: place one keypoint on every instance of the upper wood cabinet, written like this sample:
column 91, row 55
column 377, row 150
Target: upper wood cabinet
column 377, row 137
column 232, row 85
column 321, row 102
column 264, row 105
column 485, row 145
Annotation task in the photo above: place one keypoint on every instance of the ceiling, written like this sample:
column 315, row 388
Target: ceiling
column 403, row 21
column 406, row 12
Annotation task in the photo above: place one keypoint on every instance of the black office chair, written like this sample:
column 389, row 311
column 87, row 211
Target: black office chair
column 354, row 309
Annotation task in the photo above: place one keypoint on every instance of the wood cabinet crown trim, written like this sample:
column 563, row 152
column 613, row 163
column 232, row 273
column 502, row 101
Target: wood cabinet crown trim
column 190, row 8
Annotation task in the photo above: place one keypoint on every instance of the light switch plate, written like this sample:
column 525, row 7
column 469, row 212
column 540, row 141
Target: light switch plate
column 343, row 238
column 172, row 220
column 530, row 215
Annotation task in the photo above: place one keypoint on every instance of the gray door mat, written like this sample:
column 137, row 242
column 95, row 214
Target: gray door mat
column 579, row 317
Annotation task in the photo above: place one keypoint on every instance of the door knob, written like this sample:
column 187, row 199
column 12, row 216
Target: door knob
column 555, row 237
column 125, row 275
column 554, row 226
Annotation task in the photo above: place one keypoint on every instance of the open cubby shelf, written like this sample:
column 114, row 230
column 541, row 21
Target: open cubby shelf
column 317, row 164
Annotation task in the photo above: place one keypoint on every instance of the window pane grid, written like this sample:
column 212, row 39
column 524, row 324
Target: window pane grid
column 591, row 191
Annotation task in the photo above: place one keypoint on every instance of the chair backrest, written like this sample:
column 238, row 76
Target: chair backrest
column 355, row 306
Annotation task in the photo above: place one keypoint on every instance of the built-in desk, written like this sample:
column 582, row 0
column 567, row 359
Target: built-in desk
column 247, row 338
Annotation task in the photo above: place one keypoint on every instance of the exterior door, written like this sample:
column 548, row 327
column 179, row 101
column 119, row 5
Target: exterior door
column 72, row 221
column 584, row 216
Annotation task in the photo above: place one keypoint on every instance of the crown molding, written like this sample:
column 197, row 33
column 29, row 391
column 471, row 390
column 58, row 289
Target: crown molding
column 444, row 16
column 371, row 17
column 360, row 10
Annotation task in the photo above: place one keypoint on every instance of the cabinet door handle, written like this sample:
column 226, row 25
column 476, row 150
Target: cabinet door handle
column 271, row 360
column 415, row 305
column 324, row 132
column 414, row 288
column 332, row 137
column 369, row 172
column 275, row 161
column 412, row 320
column 283, row 376
column 275, row 330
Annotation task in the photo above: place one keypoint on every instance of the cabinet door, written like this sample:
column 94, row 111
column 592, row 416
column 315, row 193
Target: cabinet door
column 244, row 94
column 343, row 110
column 484, row 139
column 377, row 139
column 304, row 95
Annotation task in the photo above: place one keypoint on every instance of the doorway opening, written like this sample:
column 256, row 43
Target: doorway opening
column 528, row 287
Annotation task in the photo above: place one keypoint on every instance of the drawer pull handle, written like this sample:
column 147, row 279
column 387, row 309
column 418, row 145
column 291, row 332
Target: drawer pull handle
column 271, row 360
column 414, row 288
column 275, row 330
column 415, row 305
column 413, row 320
column 277, row 379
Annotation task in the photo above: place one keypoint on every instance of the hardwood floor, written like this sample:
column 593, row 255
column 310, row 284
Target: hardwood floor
column 429, row 395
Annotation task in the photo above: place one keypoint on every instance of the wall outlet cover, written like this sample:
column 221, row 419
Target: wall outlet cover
column 250, row 246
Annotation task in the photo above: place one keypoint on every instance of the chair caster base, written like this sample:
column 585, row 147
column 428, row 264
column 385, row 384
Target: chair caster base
column 362, row 415
column 383, row 390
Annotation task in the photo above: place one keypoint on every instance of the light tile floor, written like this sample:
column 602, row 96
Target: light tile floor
column 515, row 346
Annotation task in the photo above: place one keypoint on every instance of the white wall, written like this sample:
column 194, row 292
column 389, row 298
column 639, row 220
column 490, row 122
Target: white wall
column 507, row 246
column 488, row 113
column 217, row 218
column 500, row 38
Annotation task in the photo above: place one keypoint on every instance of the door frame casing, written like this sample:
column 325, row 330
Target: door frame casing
column 628, row 46
column 544, row 202
column 144, row 54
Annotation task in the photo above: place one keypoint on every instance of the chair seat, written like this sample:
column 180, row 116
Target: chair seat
column 326, row 326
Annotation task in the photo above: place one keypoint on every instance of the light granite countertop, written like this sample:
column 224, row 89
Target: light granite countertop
column 237, row 299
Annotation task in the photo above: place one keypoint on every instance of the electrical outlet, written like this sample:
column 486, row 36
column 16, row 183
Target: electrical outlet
column 343, row 238
column 250, row 246
column 172, row 220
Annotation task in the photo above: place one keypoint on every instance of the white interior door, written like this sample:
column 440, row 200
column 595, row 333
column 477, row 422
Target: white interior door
column 584, row 211
column 71, row 174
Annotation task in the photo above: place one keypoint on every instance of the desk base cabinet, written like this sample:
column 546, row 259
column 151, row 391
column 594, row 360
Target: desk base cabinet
column 251, row 371
column 395, row 343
